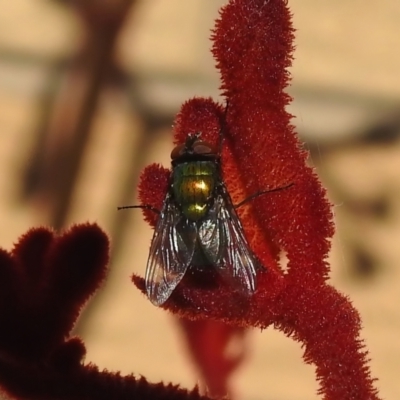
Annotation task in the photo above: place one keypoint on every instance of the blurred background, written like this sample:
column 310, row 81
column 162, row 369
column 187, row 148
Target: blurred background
column 88, row 93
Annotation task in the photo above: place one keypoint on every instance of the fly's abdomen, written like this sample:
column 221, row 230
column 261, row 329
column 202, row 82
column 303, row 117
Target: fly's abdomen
column 193, row 186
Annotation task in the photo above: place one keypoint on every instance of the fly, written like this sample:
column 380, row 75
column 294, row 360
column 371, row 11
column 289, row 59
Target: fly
column 198, row 225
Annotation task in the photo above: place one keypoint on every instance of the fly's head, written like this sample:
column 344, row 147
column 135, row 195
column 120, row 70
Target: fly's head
column 194, row 149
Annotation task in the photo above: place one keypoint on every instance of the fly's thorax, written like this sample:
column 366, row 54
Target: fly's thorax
column 194, row 184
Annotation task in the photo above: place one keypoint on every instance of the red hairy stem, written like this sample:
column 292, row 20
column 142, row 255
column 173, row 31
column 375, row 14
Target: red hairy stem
column 253, row 45
column 208, row 341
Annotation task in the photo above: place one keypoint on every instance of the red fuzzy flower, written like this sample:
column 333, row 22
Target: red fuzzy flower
column 44, row 283
column 253, row 48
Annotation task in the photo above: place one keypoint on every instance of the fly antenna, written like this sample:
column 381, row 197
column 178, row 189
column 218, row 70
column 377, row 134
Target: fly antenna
column 190, row 140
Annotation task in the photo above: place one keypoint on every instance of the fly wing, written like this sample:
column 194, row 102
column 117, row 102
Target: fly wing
column 171, row 252
column 237, row 262
column 210, row 236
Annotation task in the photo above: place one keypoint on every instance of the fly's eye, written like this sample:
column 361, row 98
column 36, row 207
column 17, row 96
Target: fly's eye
column 177, row 151
column 204, row 148
column 198, row 147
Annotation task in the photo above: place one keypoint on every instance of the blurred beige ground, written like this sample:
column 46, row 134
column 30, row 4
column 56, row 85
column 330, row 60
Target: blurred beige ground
column 345, row 78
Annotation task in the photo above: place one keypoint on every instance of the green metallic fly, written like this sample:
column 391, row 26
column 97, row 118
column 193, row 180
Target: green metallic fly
column 198, row 226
